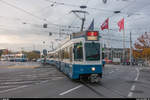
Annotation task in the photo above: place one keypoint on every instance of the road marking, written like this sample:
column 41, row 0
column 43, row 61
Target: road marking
column 70, row 90
column 57, row 78
column 133, row 86
column 45, row 81
column 138, row 73
column 14, row 83
column 130, row 94
column 111, row 72
column 132, row 89
column 13, row 89
column 7, row 86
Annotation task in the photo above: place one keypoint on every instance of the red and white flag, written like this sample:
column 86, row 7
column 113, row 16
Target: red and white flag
column 105, row 24
column 121, row 24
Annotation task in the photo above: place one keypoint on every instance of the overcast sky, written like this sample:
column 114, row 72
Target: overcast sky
column 21, row 21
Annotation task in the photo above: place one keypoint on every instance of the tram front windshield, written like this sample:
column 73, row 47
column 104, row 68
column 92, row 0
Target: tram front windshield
column 92, row 51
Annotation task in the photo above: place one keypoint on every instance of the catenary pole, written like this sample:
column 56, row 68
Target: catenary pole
column 123, row 45
column 130, row 49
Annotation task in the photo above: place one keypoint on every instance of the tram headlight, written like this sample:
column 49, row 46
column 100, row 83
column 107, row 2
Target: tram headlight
column 93, row 68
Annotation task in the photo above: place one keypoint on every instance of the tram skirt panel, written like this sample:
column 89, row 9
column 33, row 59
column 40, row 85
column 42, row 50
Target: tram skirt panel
column 85, row 69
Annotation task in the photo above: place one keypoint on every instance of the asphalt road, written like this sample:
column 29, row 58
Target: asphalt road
column 46, row 81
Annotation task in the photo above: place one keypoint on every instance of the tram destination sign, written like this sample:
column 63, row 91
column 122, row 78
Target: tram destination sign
column 92, row 36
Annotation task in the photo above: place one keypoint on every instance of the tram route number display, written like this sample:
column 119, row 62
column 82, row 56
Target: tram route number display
column 92, row 36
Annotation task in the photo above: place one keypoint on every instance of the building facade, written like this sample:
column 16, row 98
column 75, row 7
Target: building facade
column 116, row 54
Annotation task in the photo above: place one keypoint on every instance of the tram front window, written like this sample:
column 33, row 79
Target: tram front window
column 78, row 52
column 92, row 51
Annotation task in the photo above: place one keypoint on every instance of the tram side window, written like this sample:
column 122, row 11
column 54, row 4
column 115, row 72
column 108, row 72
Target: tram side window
column 56, row 55
column 66, row 53
column 62, row 54
column 59, row 54
column 70, row 53
column 78, row 52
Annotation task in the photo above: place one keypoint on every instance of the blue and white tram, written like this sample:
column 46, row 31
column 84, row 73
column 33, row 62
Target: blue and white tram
column 14, row 57
column 80, row 56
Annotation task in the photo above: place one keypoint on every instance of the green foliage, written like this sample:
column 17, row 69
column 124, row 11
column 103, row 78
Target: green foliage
column 31, row 55
column 142, row 46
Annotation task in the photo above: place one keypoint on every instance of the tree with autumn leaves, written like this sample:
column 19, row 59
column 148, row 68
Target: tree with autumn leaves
column 142, row 47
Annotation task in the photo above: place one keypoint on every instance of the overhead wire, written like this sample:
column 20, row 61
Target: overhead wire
column 73, row 5
column 35, row 15
column 14, row 30
column 27, row 12
column 75, row 18
column 23, row 10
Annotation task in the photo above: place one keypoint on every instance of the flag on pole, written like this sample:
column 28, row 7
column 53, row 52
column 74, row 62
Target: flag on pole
column 121, row 24
column 91, row 27
column 105, row 24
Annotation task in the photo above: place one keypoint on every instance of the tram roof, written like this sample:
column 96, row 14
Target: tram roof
column 77, row 35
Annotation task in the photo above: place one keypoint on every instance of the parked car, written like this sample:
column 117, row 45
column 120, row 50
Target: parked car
column 34, row 60
column 38, row 60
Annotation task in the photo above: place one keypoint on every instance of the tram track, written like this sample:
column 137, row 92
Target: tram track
column 28, row 77
column 91, row 87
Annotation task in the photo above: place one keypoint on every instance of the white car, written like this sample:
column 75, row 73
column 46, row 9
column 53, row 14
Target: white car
column 38, row 60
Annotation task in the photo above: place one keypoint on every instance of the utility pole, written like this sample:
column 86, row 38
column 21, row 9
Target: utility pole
column 124, row 50
column 52, row 45
column 130, row 49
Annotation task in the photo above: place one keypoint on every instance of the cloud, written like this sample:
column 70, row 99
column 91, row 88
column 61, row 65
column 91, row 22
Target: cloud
column 22, row 26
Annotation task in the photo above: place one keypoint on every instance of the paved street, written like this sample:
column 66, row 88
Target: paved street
column 79, row 37
column 46, row 81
